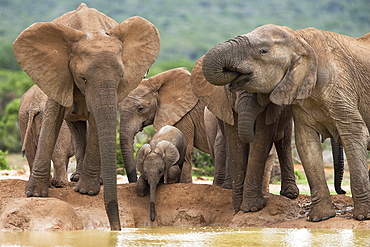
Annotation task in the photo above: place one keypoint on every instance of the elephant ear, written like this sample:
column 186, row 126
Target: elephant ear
column 42, row 51
column 141, row 154
column 216, row 98
column 300, row 79
column 175, row 96
column 140, row 41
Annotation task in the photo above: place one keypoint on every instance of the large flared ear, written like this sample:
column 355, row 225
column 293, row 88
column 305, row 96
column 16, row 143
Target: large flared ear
column 175, row 96
column 300, row 79
column 216, row 98
column 141, row 154
column 140, row 40
column 43, row 51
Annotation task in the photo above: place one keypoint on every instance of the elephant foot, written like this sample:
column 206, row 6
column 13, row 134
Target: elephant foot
column 89, row 186
column 253, row 204
column 361, row 211
column 322, row 211
column 58, row 183
column 75, row 177
column 37, row 187
column 227, row 185
column 290, row 190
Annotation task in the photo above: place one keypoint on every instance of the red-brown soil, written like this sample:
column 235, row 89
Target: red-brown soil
column 177, row 204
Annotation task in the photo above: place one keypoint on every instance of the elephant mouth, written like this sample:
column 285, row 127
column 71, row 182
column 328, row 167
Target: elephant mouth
column 240, row 82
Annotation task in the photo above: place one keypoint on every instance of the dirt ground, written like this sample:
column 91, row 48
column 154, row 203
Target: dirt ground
column 197, row 204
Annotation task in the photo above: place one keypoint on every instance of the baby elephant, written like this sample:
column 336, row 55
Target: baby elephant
column 160, row 161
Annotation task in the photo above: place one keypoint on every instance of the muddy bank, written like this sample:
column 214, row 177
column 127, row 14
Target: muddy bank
column 177, row 204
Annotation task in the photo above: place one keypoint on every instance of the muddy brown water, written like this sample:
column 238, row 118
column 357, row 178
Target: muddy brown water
column 190, row 236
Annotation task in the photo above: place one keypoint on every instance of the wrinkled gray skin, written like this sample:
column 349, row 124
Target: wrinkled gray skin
column 160, row 161
column 216, row 141
column 31, row 112
column 165, row 99
column 85, row 62
column 325, row 77
column 262, row 124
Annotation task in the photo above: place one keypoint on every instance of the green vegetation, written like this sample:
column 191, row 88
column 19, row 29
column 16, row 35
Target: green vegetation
column 3, row 163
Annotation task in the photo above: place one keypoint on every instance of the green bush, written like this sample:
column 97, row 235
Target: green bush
column 202, row 164
column 9, row 128
column 3, row 163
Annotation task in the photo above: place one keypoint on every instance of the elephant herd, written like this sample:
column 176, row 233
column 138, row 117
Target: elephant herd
column 241, row 98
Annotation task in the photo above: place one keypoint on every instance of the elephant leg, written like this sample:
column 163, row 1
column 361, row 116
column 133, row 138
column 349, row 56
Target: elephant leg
column 142, row 187
column 310, row 152
column 60, row 179
column 237, row 157
column 354, row 136
column 61, row 156
column 174, row 174
column 260, row 147
column 289, row 187
column 38, row 182
column 78, row 131
column 89, row 182
column 187, row 128
column 219, row 161
column 268, row 169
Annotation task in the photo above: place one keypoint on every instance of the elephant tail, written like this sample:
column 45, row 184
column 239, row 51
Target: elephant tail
column 28, row 135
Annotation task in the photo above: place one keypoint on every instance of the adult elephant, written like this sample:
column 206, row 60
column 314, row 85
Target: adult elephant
column 86, row 63
column 251, row 118
column 251, row 124
column 31, row 113
column 165, row 99
column 325, row 77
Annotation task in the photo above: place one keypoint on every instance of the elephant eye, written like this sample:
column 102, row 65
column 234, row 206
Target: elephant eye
column 83, row 78
column 160, row 171
column 263, row 51
column 140, row 109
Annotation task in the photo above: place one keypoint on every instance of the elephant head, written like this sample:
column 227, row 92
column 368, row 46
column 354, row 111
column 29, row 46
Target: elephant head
column 155, row 163
column 247, row 105
column 161, row 100
column 87, row 61
column 271, row 59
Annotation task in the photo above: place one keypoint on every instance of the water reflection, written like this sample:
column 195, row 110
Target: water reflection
column 191, row 236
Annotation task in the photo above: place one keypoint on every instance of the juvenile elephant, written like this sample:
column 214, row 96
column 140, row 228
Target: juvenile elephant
column 163, row 99
column 325, row 77
column 85, row 62
column 160, row 161
column 31, row 113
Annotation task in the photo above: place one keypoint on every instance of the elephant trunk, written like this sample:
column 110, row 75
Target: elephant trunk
column 248, row 109
column 127, row 141
column 222, row 63
column 104, row 110
column 153, row 187
column 338, row 159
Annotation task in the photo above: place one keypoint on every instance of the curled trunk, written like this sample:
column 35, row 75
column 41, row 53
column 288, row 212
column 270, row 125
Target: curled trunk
column 222, row 64
column 248, row 109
